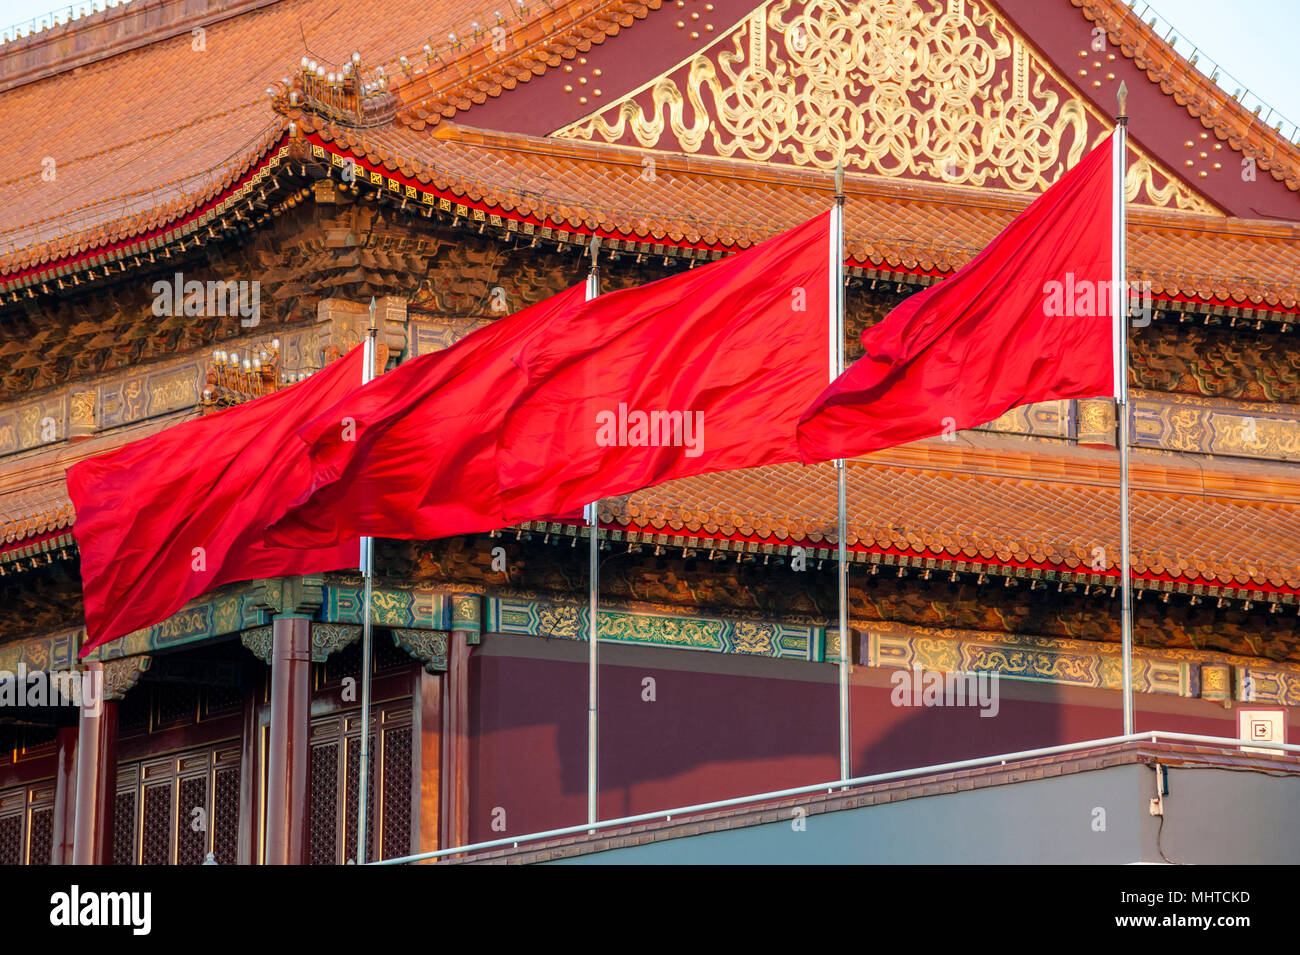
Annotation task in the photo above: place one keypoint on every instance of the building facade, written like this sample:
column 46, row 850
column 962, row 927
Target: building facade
column 299, row 158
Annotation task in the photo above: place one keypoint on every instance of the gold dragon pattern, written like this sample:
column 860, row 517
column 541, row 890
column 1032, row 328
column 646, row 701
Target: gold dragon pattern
column 942, row 91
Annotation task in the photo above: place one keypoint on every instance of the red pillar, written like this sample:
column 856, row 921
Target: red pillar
column 92, row 842
column 426, row 775
column 249, row 769
column 65, row 795
column 455, row 774
column 287, row 761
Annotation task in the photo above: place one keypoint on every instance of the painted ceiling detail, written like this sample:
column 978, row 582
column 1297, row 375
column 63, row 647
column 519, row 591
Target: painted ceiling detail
column 938, row 90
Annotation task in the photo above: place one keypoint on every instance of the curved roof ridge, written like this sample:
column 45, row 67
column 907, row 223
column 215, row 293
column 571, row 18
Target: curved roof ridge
column 502, row 55
column 1203, row 99
column 106, row 33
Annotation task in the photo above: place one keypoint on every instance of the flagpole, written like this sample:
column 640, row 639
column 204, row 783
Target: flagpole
column 1119, row 298
column 593, row 520
column 367, row 574
column 842, row 527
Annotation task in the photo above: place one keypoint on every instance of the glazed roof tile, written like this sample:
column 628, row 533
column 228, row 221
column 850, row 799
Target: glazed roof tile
column 993, row 514
column 997, row 505
column 890, row 225
column 143, row 137
column 173, row 128
column 35, row 513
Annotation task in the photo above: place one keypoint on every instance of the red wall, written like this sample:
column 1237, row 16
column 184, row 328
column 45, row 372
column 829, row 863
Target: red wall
column 724, row 726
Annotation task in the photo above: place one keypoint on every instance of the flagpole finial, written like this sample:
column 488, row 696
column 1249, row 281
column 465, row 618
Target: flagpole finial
column 839, row 180
column 1122, row 96
column 371, row 326
column 593, row 249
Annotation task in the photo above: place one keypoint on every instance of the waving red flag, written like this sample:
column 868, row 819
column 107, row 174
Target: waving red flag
column 704, row 371
column 413, row 454
column 1028, row 319
column 165, row 519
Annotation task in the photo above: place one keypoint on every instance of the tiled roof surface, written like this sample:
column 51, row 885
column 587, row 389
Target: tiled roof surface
column 891, row 225
column 1194, row 91
column 33, row 496
column 146, row 136
column 36, row 512
column 983, row 516
column 1000, row 506
column 143, row 137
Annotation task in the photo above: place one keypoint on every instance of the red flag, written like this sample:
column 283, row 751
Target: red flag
column 165, row 519
column 1028, row 319
column 413, row 454
column 704, row 371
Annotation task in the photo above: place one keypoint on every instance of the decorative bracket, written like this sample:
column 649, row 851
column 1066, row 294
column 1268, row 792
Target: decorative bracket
column 258, row 641
column 328, row 638
column 298, row 596
column 427, row 646
column 123, row 674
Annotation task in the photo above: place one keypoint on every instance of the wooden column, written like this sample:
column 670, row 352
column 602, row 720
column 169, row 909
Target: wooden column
column 426, row 759
column 466, row 628
column 455, row 752
column 249, row 769
column 287, row 761
column 92, row 842
column 65, row 795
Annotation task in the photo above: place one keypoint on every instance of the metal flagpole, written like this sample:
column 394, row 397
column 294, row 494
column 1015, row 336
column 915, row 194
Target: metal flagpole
column 593, row 520
column 1119, row 300
column 842, row 528
column 367, row 574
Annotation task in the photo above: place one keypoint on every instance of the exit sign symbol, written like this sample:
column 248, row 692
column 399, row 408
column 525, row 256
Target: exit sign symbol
column 1261, row 726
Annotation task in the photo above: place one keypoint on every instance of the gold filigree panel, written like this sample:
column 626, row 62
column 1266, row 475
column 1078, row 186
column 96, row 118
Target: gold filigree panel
column 942, row 90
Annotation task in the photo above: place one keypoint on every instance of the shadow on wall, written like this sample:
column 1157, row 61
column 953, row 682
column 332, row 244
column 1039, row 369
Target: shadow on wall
column 680, row 727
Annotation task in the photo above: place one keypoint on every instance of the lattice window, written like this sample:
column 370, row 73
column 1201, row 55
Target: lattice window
column 11, row 840
column 225, row 817
column 133, row 712
column 221, row 700
column 124, row 839
column 193, row 819
column 155, row 707
column 41, row 842
column 176, row 704
column 397, row 792
column 27, row 824
column 335, row 784
column 352, row 799
column 324, row 791
column 387, row 658
column 155, row 818
column 156, row 825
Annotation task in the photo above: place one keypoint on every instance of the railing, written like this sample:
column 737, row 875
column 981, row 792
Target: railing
column 56, row 18
column 1268, row 115
column 667, row 814
column 1215, row 72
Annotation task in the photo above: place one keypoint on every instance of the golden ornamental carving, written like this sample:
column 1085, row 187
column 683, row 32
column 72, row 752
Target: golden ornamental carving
column 1140, row 179
column 81, row 417
column 1097, row 421
column 936, row 89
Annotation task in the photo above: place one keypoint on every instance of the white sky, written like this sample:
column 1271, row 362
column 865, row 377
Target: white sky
column 1253, row 40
